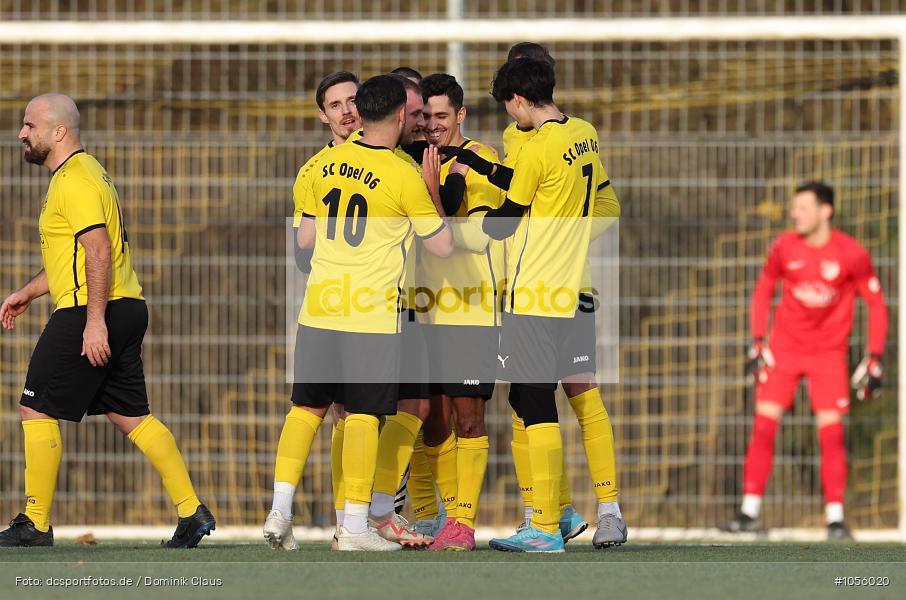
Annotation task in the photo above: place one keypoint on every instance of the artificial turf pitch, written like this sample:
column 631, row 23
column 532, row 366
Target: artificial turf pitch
column 251, row 570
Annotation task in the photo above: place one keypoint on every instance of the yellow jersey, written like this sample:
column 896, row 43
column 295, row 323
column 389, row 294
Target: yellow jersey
column 302, row 185
column 606, row 206
column 408, row 283
column 367, row 205
column 513, row 139
column 81, row 197
column 466, row 288
column 556, row 177
column 357, row 135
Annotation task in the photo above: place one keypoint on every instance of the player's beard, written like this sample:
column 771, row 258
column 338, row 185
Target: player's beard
column 410, row 135
column 35, row 155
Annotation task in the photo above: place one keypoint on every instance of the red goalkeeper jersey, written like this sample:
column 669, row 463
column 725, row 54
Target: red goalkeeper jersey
column 815, row 313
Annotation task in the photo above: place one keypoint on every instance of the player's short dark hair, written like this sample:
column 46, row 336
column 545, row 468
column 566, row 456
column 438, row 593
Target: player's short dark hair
column 530, row 50
column 823, row 192
column 380, row 97
column 408, row 84
column 532, row 79
column 332, row 80
column 442, row 84
column 407, row 72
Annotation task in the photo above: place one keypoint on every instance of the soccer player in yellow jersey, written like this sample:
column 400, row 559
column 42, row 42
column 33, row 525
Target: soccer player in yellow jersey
column 460, row 300
column 399, row 431
column 581, row 388
column 365, row 208
column 418, row 478
column 335, row 97
column 88, row 358
column 556, row 177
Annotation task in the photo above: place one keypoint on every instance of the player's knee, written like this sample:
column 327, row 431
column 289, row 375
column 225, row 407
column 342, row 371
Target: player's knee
column 26, row 414
column 125, row 424
column 578, row 384
column 436, row 429
column 771, row 410
column 417, row 408
column 470, row 425
column 827, row 417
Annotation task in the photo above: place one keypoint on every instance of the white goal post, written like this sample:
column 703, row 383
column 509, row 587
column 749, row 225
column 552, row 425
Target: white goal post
column 455, row 31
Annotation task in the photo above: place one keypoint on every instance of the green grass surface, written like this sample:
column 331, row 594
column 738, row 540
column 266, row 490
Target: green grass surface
column 663, row 571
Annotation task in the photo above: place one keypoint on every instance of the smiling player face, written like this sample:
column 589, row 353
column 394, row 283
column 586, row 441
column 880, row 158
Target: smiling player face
column 442, row 122
column 339, row 111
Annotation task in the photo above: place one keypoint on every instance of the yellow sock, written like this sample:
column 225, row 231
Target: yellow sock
column 566, row 498
column 298, row 432
column 471, row 463
column 521, row 460
column 394, row 451
column 336, row 464
column 597, row 436
column 421, row 482
column 360, row 445
column 157, row 443
column 546, row 456
column 43, row 453
column 442, row 459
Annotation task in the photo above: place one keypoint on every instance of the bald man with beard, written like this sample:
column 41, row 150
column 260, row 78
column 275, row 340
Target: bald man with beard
column 88, row 358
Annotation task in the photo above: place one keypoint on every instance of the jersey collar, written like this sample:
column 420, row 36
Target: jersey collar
column 364, row 145
column 558, row 121
column 79, row 151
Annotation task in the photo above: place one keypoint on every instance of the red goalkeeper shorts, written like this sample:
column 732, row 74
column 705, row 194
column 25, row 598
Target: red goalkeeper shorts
column 826, row 374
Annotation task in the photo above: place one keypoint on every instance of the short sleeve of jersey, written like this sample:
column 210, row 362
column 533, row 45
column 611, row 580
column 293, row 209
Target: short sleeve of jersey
column 527, row 174
column 301, row 193
column 417, row 205
column 83, row 206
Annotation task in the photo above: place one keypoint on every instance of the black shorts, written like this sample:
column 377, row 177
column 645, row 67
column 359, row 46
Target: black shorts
column 541, row 351
column 357, row 370
column 63, row 384
column 463, row 359
column 413, row 376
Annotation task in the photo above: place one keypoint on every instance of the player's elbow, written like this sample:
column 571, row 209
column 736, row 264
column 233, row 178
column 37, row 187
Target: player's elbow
column 440, row 244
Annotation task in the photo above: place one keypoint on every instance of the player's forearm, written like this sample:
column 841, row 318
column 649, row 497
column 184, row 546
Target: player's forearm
column 452, row 192
column 37, row 286
column 761, row 306
column 496, row 173
column 97, row 274
column 606, row 210
column 501, row 177
column 878, row 321
column 438, row 203
column 502, row 222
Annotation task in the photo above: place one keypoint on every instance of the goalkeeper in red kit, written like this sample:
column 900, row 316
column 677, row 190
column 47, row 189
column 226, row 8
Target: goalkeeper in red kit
column 822, row 269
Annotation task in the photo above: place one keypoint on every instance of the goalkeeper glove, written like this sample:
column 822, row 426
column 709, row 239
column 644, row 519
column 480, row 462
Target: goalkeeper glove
column 760, row 359
column 470, row 159
column 867, row 377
